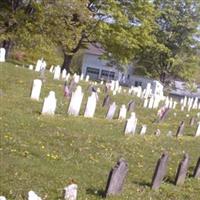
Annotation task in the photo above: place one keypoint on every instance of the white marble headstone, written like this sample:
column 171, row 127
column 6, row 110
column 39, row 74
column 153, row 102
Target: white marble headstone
column 131, row 124
column 111, row 111
column 36, row 89
column 57, row 72
column 49, row 105
column 122, row 112
column 2, row 198
column 197, row 134
column 2, row 54
column 70, row 192
column 91, row 105
column 33, row 196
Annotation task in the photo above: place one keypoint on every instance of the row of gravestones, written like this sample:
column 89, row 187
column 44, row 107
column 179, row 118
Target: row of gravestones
column 49, row 107
column 118, row 173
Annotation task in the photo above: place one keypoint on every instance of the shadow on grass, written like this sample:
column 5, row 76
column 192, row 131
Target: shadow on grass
column 142, row 183
column 96, row 192
column 169, row 180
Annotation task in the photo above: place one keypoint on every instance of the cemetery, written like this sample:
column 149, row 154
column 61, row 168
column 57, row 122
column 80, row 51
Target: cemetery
column 73, row 138
column 99, row 100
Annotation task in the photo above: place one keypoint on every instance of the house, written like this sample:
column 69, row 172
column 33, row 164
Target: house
column 99, row 69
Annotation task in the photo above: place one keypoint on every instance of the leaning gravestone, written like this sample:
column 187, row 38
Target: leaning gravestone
column 70, row 192
column 131, row 106
column 49, row 105
column 160, row 171
column 180, row 129
column 111, row 111
column 182, row 170
column 36, row 88
column 116, row 178
column 164, row 115
column 192, row 120
column 196, row 173
column 106, row 101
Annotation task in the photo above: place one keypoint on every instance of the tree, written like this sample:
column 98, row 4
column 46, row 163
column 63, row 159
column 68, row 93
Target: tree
column 174, row 53
column 121, row 27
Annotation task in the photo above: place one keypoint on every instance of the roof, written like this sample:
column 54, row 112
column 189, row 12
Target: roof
column 95, row 49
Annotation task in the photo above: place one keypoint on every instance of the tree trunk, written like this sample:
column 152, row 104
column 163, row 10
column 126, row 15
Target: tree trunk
column 67, row 62
column 163, row 77
column 7, row 44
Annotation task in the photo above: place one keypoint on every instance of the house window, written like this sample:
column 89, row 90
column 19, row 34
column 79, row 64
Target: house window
column 138, row 83
column 92, row 72
column 107, row 75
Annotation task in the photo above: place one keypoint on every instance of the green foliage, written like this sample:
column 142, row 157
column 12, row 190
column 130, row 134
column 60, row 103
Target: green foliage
column 174, row 53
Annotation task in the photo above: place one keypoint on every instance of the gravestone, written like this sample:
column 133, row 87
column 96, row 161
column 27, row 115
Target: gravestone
column 182, row 170
column 49, row 105
column 57, row 72
column 38, row 65
column 143, row 130
column 106, row 101
column 180, row 129
column 36, row 88
column 164, row 114
column 145, row 103
column 160, row 171
column 111, row 111
column 51, row 69
column 192, row 120
column 70, row 192
column 30, row 67
column 72, row 86
column 75, row 103
column 169, row 134
column 33, row 196
column 157, row 132
column 116, row 178
column 196, row 173
column 87, row 78
column 122, row 112
column 91, row 105
column 2, row 198
column 131, row 124
column 2, row 54
column 197, row 134
column 131, row 106
column 64, row 74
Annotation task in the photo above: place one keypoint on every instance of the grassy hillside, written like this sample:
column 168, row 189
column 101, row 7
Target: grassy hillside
column 44, row 154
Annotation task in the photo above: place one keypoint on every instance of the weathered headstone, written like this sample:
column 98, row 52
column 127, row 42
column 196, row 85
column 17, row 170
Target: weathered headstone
column 192, row 120
column 106, row 101
column 91, row 105
column 131, row 106
column 196, row 173
column 2, row 54
column 116, row 178
column 180, row 129
column 131, row 124
column 197, row 133
column 182, row 170
column 38, row 65
column 36, row 88
column 33, row 196
column 30, row 67
column 143, row 129
column 2, row 198
column 75, row 103
column 111, row 111
column 57, row 72
column 49, row 105
column 64, row 74
column 160, row 171
column 122, row 112
column 70, row 192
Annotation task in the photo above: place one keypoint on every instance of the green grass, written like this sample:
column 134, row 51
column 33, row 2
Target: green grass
column 44, row 154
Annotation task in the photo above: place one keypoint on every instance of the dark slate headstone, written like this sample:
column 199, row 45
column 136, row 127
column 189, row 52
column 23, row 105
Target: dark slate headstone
column 182, row 170
column 164, row 115
column 131, row 106
column 160, row 171
column 116, row 178
column 180, row 129
column 192, row 120
column 106, row 101
column 196, row 173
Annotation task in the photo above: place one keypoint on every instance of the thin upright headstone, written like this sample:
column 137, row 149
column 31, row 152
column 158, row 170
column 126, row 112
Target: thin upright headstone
column 116, row 178
column 36, row 88
column 2, row 54
column 143, row 129
column 192, row 120
column 49, row 105
column 2, row 198
column 182, row 170
column 57, row 72
column 131, row 106
column 91, row 105
column 122, row 112
column 111, row 111
column 106, row 101
column 131, row 123
column 196, row 173
column 33, row 196
column 180, row 129
column 160, row 171
column 197, row 133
